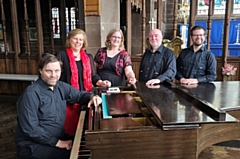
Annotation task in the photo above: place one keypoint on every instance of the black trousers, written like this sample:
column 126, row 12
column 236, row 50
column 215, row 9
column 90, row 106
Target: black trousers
column 38, row 151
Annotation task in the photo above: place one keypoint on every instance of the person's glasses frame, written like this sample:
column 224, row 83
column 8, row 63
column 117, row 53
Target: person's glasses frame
column 117, row 37
column 200, row 35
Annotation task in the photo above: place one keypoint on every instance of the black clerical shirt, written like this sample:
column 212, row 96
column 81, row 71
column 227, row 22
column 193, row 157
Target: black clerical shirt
column 41, row 112
column 160, row 64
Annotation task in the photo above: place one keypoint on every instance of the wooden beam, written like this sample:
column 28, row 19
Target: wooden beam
column 4, row 36
column 81, row 17
column 26, row 26
column 63, row 22
column 76, row 14
column 175, row 12
column 16, row 41
column 192, row 18
column 209, row 23
column 143, row 25
column 159, row 14
column 27, row 37
column 129, row 26
column 39, row 28
column 226, row 31
column 51, row 26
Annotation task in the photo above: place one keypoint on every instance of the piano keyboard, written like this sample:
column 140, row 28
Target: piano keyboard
column 79, row 150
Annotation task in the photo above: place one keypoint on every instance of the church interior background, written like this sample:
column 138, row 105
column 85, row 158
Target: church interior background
column 30, row 28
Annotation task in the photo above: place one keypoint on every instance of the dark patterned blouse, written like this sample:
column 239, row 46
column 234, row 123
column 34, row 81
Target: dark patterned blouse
column 112, row 68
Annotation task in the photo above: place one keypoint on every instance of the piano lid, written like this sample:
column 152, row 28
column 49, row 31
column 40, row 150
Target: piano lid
column 181, row 106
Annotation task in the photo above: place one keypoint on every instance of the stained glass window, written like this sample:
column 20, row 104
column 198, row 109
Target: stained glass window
column 203, row 6
column 236, row 7
column 55, row 22
column 67, row 20
column 219, row 6
column 73, row 19
column 70, row 21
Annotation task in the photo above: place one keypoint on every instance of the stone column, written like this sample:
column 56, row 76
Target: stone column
column 97, row 27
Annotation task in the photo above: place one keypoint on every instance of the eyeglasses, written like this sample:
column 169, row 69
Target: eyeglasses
column 196, row 35
column 116, row 37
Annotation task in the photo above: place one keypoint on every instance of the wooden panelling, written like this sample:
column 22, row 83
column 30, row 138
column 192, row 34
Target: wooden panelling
column 235, row 61
column 136, row 60
column 91, row 7
column 16, row 87
column 2, row 66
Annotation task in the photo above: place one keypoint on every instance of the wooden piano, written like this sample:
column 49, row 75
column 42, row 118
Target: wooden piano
column 171, row 121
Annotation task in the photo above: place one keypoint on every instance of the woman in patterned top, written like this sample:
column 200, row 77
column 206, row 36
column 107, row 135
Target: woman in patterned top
column 113, row 63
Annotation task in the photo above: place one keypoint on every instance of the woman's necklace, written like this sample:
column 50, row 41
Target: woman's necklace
column 76, row 54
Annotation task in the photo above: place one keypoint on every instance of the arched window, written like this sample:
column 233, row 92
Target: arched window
column 219, row 6
column 202, row 8
column 236, row 7
column 55, row 22
column 70, row 20
column 73, row 19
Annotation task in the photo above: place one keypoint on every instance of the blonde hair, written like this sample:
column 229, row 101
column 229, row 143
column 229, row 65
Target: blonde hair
column 73, row 33
column 107, row 42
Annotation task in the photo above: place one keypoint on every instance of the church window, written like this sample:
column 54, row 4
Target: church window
column 70, row 20
column 236, row 7
column 55, row 22
column 219, row 6
column 73, row 18
column 202, row 7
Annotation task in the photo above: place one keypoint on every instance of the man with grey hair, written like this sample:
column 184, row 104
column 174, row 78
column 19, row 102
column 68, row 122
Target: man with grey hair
column 158, row 63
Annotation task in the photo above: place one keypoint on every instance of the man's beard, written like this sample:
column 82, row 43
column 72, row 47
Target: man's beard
column 198, row 44
column 50, row 83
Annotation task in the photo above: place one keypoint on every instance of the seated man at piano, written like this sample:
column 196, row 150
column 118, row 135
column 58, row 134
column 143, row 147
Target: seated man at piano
column 158, row 63
column 41, row 111
column 196, row 64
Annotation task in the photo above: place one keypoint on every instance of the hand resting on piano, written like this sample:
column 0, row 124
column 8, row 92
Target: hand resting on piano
column 95, row 100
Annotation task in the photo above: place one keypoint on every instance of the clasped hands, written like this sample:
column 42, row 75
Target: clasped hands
column 104, row 83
